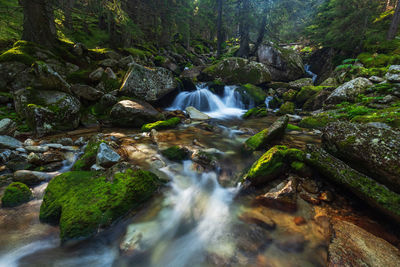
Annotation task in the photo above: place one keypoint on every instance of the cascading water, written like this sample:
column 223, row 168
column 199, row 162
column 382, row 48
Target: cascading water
column 309, row 72
column 229, row 105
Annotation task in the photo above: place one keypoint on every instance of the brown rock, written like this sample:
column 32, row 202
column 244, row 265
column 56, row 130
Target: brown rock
column 283, row 197
column 299, row 221
column 310, row 186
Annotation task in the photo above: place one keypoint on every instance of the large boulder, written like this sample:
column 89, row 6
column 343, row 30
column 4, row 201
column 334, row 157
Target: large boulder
column 82, row 202
column 48, row 79
column 354, row 246
column 148, row 84
column 283, row 64
column 7, row 127
column 48, row 111
column 368, row 148
column 366, row 188
column 349, row 91
column 238, row 71
column 86, row 92
column 263, row 138
column 393, row 74
column 106, row 156
column 9, row 142
column 128, row 113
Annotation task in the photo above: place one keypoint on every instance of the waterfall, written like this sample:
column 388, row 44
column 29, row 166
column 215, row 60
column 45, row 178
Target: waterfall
column 309, row 72
column 267, row 100
column 229, row 105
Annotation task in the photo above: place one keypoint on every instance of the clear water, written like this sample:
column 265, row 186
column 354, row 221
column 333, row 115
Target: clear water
column 312, row 74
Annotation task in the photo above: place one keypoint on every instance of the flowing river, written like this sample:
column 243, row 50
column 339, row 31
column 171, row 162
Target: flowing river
column 198, row 219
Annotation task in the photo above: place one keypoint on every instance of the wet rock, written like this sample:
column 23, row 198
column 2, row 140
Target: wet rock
column 34, row 159
column 283, row 197
column 298, row 84
column 353, row 246
column 97, row 74
column 96, row 168
column 108, row 63
column 123, row 63
column 39, row 149
column 258, row 219
column 80, row 141
column 65, row 141
column 7, row 127
column 367, row 189
column 176, row 153
column 148, row 84
column 9, row 142
column 393, row 74
column 287, row 108
column 52, row 167
column 5, row 155
column 310, row 199
column 376, row 79
column 263, row 138
column 310, row 186
column 86, row 92
column 48, row 111
column 31, row 177
column 349, row 91
column 270, row 165
column 299, row 221
column 283, row 64
column 129, row 113
column 106, row 157
column 238, row 71
column 195, row 114
column 293, row 242
column 373, row 150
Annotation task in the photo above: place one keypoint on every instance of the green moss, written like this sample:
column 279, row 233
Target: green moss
column 138, row 53
column 16, row 194
column 378, row 60
column 390, row 116
column 22, row 51
column 297, row 166
column 81, row 202
column 257, row 141
column 80, row 76
column 307, row 92
column 89, row 156
column 175, row 153
column 255, row 113
column 287, row 108
column 292, row 127
column 289, row 95
column 158, row 125
column 159, row 60
column 272, row 164
column 253, row 92
column 316, row 122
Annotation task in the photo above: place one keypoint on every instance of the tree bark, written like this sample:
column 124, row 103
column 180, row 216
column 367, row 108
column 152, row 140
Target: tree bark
column 261, row 31
column 38, row 25
column 244, row 26
column 220, row 35
column 394, row 26
column 67, row 8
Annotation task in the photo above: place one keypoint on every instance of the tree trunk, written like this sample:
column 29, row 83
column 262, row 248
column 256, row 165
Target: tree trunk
column 38, row 23
column 261, row 31
column 394, row 26
column 67, row 8
column 219, row 29
column 244, row 26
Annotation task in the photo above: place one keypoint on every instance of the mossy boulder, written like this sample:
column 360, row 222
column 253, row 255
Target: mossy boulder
column 289, row 95
column 306, row 93
column 47, row 111
column 283, row 64
column 252, row 94
column 373, row 150
column 22, row 51
column 159, row 125
column 366, row 188
column 272, row 164
column 287, row 108
column 291, row 127
column 148, row 84
column 238, row 71
column 175, row 153
column 349, row 91
column 263, row 138
column 88, row 159
column 300, row 83
column 82, row 202
column 16, row 194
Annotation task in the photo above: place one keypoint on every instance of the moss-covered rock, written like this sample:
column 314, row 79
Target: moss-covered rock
column 270, row 165
column 287, row 108
column 257, row 112
column 82, row 202
column 16, row 194
column 175, row 153
column 300, row 83
column 318, row 121
column 86, row 161
column 367, row 189
column 22, row 51
column 260, row 140
column 238, row 71
column 159, row 125
column 289, row 95
column 291, row 127
column 252, row 94
column 306, row 93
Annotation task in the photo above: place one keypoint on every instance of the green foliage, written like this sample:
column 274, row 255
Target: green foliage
column 159, row 125
column 81, row 202
column 16, row 194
